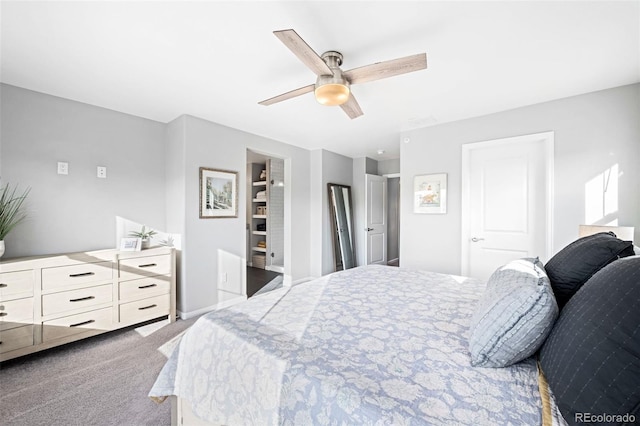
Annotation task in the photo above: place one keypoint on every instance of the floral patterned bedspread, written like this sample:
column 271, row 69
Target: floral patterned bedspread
column 371, row 345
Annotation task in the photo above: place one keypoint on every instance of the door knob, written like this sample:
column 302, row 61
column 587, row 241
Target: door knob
column 368, row 229
column 475, row 240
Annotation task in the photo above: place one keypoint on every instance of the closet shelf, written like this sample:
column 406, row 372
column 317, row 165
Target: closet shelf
column 260, row 249
column 260, row 183
column 259, row 200
column 259, row 232
column 259, row 216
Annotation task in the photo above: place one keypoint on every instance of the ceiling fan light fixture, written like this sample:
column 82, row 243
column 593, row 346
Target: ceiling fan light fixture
column 332, row 94
column 332, row 90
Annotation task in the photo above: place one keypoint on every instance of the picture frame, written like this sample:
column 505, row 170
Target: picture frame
column 430, row 193
column 218, row 193
column 130, row 244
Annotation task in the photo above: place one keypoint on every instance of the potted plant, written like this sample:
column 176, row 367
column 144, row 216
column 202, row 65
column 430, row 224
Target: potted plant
column 11, row 211
column 145, row 235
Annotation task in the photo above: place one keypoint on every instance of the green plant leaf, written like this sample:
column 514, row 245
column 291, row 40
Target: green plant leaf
column 11, row 209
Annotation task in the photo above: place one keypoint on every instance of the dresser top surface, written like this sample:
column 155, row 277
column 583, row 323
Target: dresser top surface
column 52, row 260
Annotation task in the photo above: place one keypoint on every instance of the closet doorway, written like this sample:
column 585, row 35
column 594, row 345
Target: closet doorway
column 393, row 219
column 264, row 223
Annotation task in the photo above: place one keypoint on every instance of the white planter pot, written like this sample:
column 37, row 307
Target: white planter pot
column 1, row 247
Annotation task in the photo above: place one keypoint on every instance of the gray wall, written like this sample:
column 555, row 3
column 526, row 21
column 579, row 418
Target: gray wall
column 387, row 167
column 152, row 178
column 593, row 132
column 175, row 190
column 327, row 167
column 77, row 212
column 212, row 247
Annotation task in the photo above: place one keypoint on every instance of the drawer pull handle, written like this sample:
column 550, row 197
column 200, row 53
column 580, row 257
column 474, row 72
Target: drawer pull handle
column 147, row 286
column 82, row 323
column 3, row 314
column 147, row 307
column 83, row 274
column 148, row 265
column 82, row 299
column 3, row 285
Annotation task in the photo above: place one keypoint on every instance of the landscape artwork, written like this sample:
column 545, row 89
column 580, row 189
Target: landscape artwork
column 218, row 193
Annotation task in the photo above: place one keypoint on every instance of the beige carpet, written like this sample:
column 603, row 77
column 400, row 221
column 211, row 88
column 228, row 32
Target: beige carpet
column 103, row 380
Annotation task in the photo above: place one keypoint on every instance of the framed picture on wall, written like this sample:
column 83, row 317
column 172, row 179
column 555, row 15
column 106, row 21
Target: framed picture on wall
column 218, row 193
column 430, row 193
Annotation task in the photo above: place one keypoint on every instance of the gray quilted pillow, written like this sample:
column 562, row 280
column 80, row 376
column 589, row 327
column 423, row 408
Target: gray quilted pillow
column 514, row 315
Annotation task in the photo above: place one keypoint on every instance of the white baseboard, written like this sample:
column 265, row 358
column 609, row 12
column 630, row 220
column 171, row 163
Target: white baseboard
column 275, row 268
column 221, row 305
column 302, row 280
column 231, row 302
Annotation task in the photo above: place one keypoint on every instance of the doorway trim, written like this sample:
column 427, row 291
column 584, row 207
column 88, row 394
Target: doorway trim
column 399, row 201
column 548, row 144
column 286, row 269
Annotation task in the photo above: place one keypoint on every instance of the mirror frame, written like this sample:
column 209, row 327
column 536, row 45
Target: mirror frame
column 337, row 248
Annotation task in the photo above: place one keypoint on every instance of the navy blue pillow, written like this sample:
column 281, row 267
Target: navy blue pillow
column 572, row 266
column 591, row 359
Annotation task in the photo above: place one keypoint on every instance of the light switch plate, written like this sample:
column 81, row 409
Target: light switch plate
column 63, row 168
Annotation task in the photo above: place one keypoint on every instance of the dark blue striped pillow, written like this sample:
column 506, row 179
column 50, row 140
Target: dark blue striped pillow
column 572, row 266
column 591, row 359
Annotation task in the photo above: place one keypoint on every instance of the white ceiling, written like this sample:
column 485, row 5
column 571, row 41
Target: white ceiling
column 216, row 60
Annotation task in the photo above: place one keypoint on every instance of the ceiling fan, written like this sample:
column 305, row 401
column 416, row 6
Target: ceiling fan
column 332, row 85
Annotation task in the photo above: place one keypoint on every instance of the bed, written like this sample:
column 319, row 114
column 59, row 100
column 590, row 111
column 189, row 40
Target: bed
column 383, row 345
column 370, row 345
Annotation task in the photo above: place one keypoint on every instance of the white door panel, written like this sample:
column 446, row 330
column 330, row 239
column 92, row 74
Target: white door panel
column 376, row 219
column 376, row 249
column 505, row 200
column 505, row 197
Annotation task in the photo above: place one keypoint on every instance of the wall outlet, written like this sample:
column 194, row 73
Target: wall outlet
column 102, row 172
column 223, row 277
column 63, row 168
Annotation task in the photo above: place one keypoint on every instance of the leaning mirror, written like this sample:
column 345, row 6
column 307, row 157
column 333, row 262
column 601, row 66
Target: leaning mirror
column 342, row 226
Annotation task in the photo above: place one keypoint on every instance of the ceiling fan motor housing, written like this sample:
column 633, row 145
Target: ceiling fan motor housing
column 332, row 89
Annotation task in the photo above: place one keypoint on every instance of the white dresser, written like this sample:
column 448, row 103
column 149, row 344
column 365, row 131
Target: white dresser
column 46, row 301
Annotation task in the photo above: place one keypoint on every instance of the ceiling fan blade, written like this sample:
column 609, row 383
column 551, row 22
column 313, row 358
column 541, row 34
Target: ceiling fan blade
column 301, row 49
column 288, row 95
column 351, row 107
column 385, row 69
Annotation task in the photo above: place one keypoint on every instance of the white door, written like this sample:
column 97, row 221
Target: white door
column 376, row 219
column 506, row 202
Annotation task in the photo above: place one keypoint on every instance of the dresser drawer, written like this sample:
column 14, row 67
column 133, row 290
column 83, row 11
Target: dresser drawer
column 144, row 287
column 145, row 309
column 64, row 276
column 72, row 300
column 16, row 284
column 100, row 319
column 16, row 313
column 145, row 266
column 16, row 338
